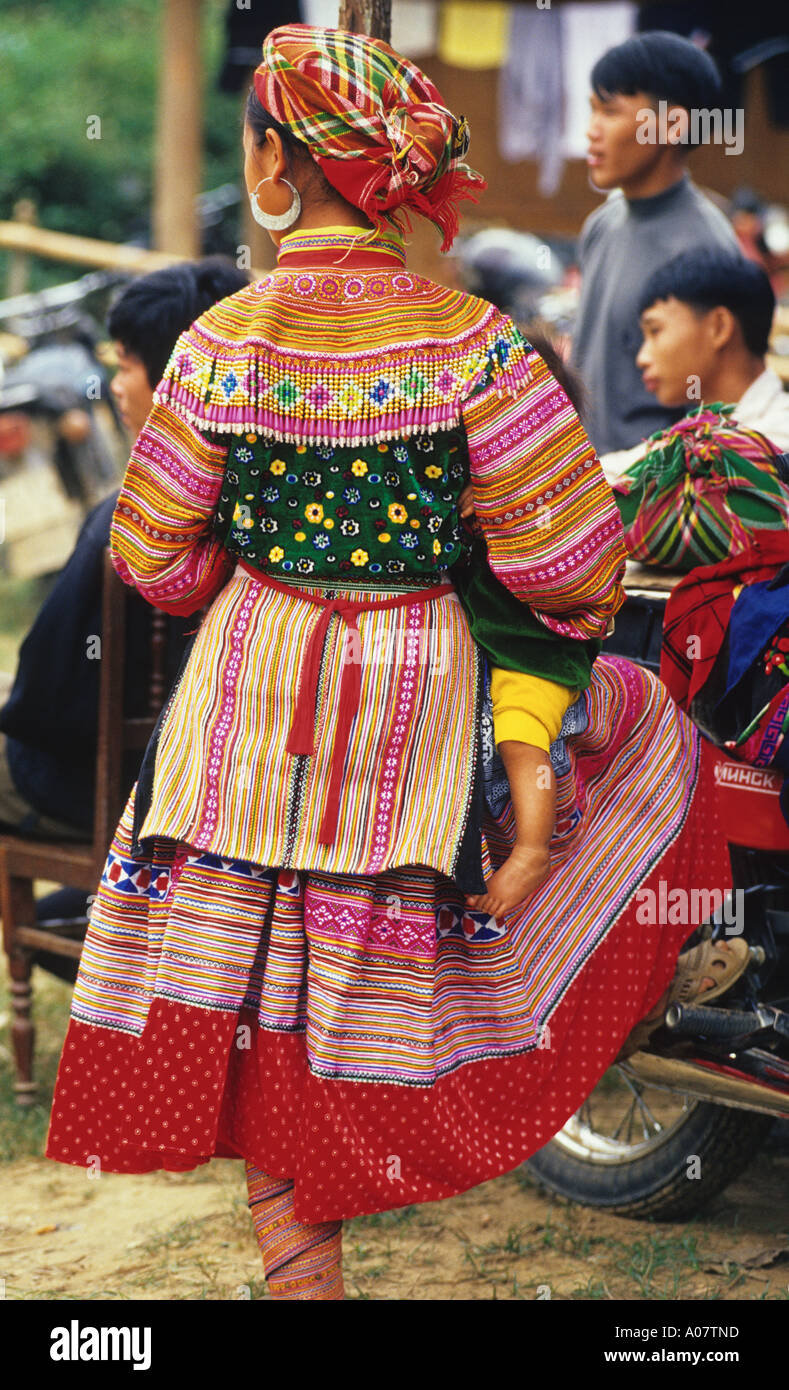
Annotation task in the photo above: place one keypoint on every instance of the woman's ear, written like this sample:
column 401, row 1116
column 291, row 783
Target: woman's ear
column 276, row 152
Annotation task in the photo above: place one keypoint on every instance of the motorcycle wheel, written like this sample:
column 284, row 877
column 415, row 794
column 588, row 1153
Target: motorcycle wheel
column 629, row 1150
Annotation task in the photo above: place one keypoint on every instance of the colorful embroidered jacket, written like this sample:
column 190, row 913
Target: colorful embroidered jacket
column 321, row 424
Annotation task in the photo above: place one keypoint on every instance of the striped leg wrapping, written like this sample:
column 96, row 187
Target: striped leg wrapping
column 301, row 1260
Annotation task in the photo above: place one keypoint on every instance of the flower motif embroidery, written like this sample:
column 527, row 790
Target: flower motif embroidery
column 320, row 540
column 305, row 565
column 314, row 512
column 433, row 471
column 397, row 513
column 276, row 553
column 360, row 557
column 408, row 540
column 270, row 494
column 349, row 528
column 351, row 494
column 269, row 524
column 359, row 468
column 276, row 466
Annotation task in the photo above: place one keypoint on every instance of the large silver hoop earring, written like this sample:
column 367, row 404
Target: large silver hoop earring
column 271, row 221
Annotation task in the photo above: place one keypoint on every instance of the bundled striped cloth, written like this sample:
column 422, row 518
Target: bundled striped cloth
column 373, row 122
column 701, row 492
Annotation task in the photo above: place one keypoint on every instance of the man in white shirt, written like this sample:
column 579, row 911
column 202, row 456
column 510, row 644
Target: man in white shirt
column 705, row 320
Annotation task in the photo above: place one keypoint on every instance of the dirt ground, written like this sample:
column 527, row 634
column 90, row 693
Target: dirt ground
column 181, row 1237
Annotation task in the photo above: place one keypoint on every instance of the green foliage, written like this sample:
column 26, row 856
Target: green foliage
column 64, row 61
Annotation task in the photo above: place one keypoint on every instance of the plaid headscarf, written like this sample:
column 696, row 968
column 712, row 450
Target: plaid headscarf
column 372, row 121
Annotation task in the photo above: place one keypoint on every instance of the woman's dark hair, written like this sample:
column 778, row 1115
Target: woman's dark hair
column 705, row 278
column 568, row 378
column 150, row 314
column 259, row 121
column 663, row 66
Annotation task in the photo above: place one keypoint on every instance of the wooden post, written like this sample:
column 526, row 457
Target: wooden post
column 372, row 17
column 18, row 276
column 178, row 129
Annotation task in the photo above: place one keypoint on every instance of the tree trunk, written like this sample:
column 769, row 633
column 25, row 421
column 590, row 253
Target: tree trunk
column 372, row 17
column 178, row 147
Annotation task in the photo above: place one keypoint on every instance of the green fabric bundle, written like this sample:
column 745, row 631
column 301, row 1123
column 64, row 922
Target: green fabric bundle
column 700, row 493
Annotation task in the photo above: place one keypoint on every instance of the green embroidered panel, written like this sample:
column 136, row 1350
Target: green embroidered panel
column 387, row 510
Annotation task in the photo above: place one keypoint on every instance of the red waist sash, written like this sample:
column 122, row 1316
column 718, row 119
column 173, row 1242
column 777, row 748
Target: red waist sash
column 301, row 738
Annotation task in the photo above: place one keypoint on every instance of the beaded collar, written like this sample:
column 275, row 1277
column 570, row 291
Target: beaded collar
column 341, row 344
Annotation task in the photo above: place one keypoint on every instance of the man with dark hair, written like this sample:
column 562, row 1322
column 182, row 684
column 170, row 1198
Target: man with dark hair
column 48, row 725
column 705, row 318
column 656, row 213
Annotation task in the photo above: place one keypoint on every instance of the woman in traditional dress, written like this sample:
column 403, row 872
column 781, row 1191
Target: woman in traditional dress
column 282, row 965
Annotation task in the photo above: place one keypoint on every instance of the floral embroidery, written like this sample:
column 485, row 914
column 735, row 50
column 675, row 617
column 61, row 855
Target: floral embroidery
column 345, row 526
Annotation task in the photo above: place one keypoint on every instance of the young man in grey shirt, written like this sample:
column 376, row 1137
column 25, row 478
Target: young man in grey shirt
column 656, row 213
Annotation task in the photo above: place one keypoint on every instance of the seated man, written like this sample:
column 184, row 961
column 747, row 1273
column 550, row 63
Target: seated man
column 48, row 727
column 705, row 320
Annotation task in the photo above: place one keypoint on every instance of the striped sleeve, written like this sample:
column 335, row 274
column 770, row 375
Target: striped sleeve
column 548, row 515
column 161, row 538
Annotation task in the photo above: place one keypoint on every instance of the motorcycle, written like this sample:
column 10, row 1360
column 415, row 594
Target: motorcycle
column 714, row 1079
column 62, row 441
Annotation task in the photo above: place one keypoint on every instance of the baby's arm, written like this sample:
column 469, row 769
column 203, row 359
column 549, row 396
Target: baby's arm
column 527, row 717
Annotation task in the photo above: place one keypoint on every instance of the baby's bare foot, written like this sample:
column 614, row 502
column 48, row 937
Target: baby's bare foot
column 521, row 874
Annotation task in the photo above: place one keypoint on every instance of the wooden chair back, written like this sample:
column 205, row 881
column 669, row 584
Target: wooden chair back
column 75, row 863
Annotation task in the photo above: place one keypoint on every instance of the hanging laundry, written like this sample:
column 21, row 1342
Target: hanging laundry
column 415, row 27
column 531, row 94
column 324, row 13
column 588, row 31
column 471, row 35
column 544, row 83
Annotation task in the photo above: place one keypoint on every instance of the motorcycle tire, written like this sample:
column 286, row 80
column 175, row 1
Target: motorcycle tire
column 658, row 1186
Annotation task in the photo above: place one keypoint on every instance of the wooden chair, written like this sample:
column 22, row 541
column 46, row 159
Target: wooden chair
column 68, row 862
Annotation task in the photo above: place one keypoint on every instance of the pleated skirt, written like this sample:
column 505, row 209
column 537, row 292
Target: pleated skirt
column 365, row 1034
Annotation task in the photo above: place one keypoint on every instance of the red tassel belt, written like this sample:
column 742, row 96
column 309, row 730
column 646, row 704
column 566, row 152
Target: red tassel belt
column 301, row 738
